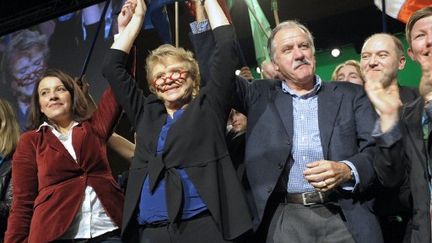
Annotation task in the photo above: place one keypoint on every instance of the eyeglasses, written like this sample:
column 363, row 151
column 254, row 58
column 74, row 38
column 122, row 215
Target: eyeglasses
column 176, row 74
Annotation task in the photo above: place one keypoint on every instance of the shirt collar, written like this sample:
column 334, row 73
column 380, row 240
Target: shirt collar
column 425, row 118
column 314, row 91
column 46, row 124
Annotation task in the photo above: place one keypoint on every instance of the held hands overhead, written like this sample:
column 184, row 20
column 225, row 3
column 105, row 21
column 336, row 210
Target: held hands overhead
column 125, row 15
column 130, row 20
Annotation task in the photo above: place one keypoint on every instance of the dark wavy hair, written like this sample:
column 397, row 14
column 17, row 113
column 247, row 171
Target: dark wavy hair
column 79, row 102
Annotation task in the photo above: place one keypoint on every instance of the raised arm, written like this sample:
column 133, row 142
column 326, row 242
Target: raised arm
column 425, row 86
column 125, row 88
column 215, row 14
column 224, row 58
column 388, row 162
column 135, row 10
column 385, row 100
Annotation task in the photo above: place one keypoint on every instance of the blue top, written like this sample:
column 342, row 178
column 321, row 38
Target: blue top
column 152, row 206
column 307, row 145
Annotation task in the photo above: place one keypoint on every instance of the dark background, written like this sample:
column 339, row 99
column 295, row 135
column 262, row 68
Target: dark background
column 332, row 22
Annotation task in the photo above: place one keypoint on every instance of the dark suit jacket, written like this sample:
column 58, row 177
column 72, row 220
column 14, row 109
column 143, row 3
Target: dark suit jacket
column 5, row 194
column 196, row 142
column 346, row 120
column 390, row 171
column 408, row 94
column 49, row 185
column 391, row 174
column 415, row 193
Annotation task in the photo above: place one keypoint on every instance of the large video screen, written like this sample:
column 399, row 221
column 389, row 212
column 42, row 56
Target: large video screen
column 61, row 43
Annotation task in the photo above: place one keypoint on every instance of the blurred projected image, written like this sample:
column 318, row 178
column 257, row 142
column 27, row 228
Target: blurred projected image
column 61, row 43
column 24, row 62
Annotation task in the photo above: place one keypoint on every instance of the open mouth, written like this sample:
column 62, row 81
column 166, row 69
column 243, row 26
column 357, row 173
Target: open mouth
column 168, row 88
column 31, row 78
column 25, row 82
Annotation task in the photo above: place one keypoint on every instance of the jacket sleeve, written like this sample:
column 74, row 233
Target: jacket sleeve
column 389, row 161
column 125, row 88
column 5, row 204
column 106, row 115
column 25, row 183
column 223, row 65
column 365, row 117
column 203, row 44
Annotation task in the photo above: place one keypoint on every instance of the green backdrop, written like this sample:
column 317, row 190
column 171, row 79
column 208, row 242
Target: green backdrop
column 326, row 63
column 409, row 76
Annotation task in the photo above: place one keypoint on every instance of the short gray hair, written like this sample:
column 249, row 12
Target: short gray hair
column 288, row 25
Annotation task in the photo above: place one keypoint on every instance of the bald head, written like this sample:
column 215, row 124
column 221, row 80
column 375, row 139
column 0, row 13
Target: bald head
column 382, row 55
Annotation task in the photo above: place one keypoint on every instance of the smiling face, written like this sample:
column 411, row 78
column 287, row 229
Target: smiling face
column 421, row 38
column 294, row 58
column 55, row 100
column 380, row 55
column 172, row 83
column 349, row 73
column 26, row 69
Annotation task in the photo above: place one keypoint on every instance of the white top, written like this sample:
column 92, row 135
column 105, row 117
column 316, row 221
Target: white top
column 92, row 219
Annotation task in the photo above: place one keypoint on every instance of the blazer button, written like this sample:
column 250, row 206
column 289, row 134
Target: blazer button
column 280, row 166
column 269, row 189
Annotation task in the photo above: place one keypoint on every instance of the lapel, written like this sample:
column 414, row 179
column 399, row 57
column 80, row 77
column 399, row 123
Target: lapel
column 411, row 117
column 157, row 118
column 55, row 144
column 329, row 102
column 79, row 135
column 284, row 107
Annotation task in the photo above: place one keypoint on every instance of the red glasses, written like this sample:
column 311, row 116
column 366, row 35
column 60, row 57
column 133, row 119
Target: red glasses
column 176, row 74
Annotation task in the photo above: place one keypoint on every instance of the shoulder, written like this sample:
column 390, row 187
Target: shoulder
column 408, row 94
column 263, row 84
column 30, row 136
column 347, row 90
column 343, row 86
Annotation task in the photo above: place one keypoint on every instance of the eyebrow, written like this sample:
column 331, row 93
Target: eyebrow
column 174, row 66
column 55, row 87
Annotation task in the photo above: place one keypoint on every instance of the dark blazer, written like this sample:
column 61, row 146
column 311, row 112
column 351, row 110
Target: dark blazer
column 390, row 171
column 49, row 184
column 415, row 193
column 346, row 120
column 408, row 94
column 5, row 194
column 196, row 142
